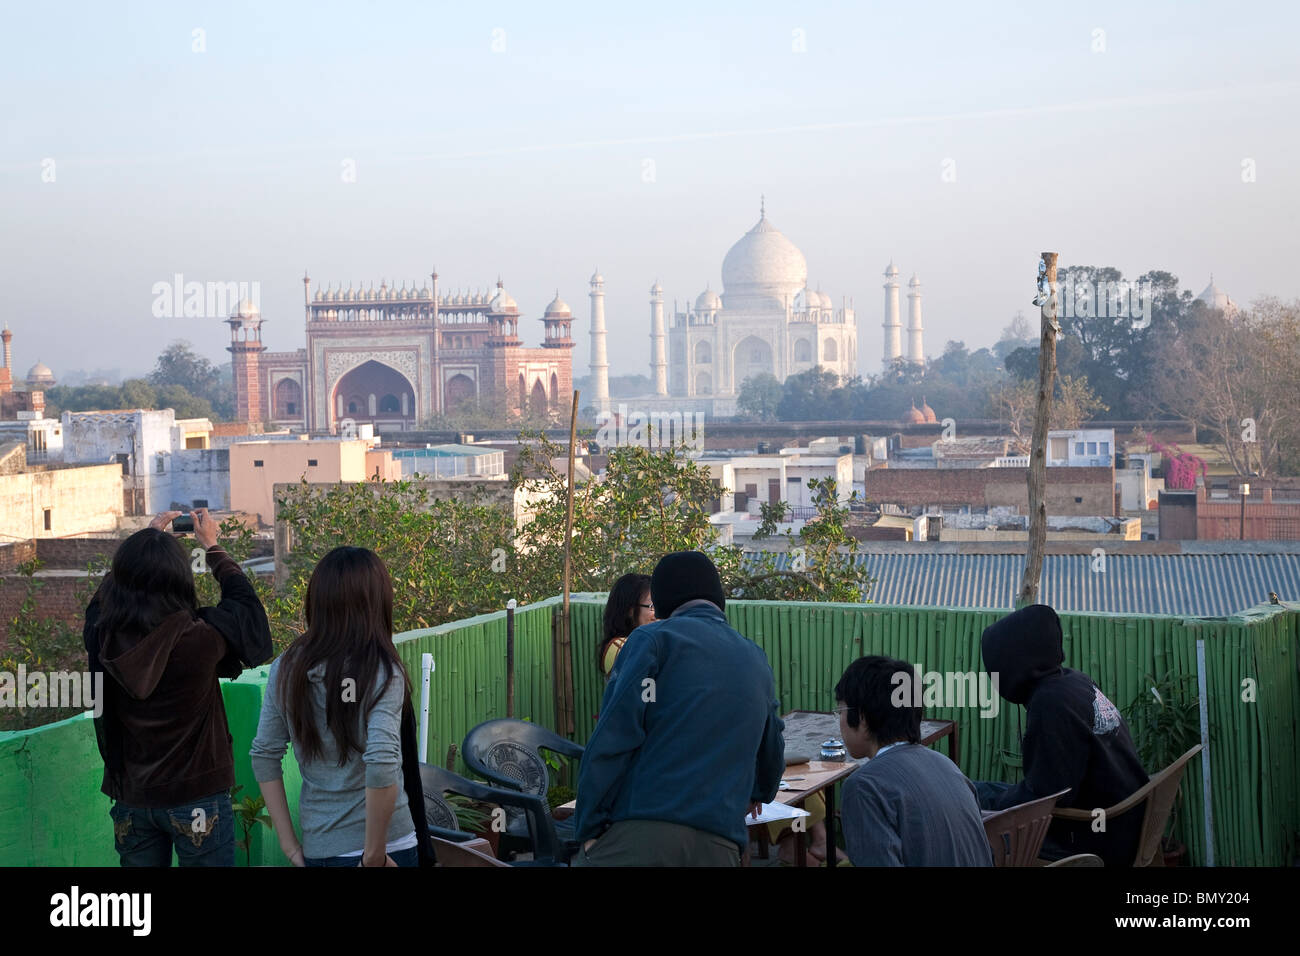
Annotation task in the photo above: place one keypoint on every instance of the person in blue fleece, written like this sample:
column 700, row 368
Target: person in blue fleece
column 689, row 736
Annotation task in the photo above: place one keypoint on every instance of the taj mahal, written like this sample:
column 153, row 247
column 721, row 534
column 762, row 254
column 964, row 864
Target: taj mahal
column 766, row 318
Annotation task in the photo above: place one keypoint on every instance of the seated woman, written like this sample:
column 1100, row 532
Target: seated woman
column 627, row 608
column 338, row 693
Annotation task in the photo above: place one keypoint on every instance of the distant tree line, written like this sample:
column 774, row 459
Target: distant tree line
column 180, row 380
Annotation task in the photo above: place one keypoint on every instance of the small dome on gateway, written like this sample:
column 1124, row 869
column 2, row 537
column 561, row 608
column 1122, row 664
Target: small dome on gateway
column 928, row 412
column 502, row 301
column 245, row 310
column 40, row 374
column 914, row 416
column 708, row 301
column 558, row 306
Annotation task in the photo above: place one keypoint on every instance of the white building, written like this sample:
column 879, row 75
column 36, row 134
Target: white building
column 768, row 318
column 1081, row 447
column 166, row 463
column 42, row 436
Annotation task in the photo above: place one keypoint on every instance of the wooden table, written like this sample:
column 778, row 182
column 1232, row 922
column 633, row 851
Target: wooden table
column 805, row 730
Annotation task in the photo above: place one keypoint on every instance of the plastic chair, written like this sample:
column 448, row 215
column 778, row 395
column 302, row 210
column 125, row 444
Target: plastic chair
column 1016, row 834
column 1156, row 798
column 547, row 849
column 441, row 819
column 508, row 753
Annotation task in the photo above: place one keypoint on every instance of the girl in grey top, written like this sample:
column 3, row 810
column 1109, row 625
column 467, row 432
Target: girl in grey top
column 337, row 695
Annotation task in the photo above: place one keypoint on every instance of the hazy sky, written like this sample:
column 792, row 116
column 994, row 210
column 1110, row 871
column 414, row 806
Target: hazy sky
column 538, row 141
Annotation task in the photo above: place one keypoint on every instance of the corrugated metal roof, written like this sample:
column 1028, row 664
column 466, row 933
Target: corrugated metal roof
column 1193, row 585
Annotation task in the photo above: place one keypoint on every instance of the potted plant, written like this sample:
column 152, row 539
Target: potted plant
column 1166, row 721
column 475, row 817
column 249, row 812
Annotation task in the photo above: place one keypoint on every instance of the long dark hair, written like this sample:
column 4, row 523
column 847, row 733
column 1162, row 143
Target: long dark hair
column 349, row 615
column 621, row 611
column 150, row 580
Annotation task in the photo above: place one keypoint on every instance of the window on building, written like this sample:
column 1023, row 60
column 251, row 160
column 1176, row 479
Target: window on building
column 1092, row 448
column 311, row 462
column 794, row 481
column 159, row 464
column 1078, row 448
column 257, row 463
column 125, row 462
column 293, row 408
column 1105, row 447
column 1078, row 500
column 48, row 519
column 199, row 503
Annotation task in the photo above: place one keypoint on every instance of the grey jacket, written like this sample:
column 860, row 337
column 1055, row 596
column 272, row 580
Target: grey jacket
column 911, row 806
column 332, row 806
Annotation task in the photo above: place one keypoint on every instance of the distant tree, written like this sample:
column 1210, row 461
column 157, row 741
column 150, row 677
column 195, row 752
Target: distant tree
column 1073, row 405
column 1018, row 333
column 178, row 397
column 137, row 393
column 809, row 396
column 759, row 397
column 1236, row 378
column 180, row 365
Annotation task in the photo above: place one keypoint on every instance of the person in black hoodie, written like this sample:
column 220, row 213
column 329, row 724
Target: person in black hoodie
column 168, row 763
column 1075, row 738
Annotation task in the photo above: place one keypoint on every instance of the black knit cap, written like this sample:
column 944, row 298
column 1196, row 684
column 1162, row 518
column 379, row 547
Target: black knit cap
column 684, row 576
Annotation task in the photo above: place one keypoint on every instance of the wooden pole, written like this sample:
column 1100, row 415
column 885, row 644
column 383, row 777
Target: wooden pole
column 563, row 658
column 510, row 657
column 1037, row 480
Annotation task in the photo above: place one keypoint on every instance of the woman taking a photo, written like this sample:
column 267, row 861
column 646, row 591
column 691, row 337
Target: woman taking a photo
column 627, row 608
column 338, row 694
column 162, row 732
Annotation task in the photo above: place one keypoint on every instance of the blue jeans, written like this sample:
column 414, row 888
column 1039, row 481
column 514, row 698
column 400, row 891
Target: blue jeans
column 409, row 857
column 201, row 832
column 986, row 791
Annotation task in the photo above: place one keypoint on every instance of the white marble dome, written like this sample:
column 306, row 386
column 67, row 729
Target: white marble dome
column 763, row 264
column 1215, row 298
column 40, row 373
column 707, row 301
column 245, row 310
column 807, row 300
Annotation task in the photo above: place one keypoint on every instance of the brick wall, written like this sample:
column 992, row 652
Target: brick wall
column 988, row 487
column 59, row 598
column 14, row 553
column 75, row 553
column 1265, row 518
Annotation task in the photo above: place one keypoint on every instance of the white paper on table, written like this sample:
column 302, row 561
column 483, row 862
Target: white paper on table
column 771, row 812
